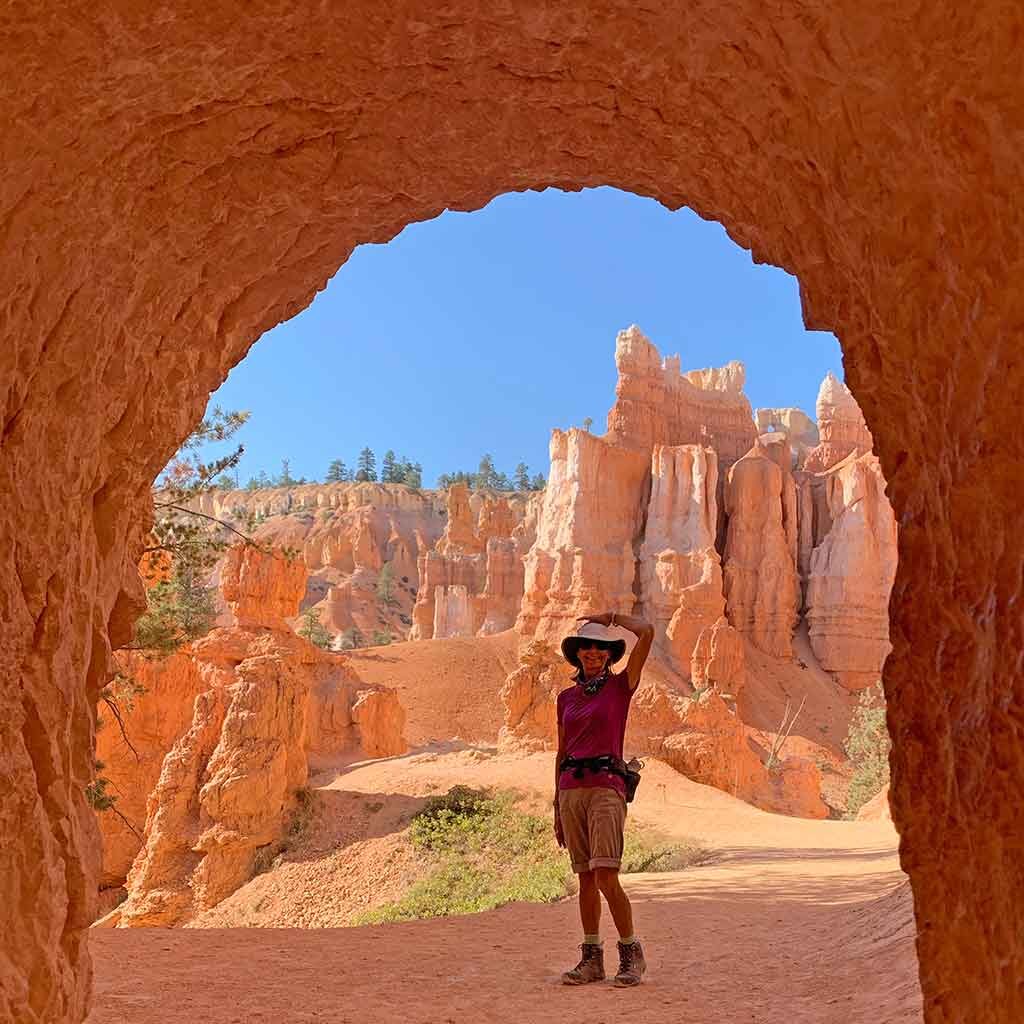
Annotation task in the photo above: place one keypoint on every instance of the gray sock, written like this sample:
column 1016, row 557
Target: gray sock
column 593, row 940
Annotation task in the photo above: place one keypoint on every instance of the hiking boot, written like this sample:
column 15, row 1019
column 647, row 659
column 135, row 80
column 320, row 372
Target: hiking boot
column 631, row 965
column 590, row 968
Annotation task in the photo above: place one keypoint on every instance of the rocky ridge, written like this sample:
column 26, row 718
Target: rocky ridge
column 221, row 742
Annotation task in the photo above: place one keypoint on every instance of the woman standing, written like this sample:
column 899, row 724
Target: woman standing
column 590, row 796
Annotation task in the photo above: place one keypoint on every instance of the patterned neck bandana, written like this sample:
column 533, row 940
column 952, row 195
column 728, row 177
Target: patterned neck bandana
column 592, row 686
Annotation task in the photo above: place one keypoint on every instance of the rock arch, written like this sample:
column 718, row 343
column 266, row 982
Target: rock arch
column 178, row 180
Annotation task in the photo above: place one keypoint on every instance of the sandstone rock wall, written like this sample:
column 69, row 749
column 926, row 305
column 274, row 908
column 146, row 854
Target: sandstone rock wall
column 680, row 570
column 657, row 404
column 589, row 527
column 761, row 584
column 841, row 426
column 477, row 562
column 851, row 574
column 226, row 730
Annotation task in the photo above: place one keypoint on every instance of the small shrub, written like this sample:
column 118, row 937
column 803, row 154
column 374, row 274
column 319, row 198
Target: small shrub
column 96, row 791
column 652, row 853
column 484, row 853
column 867, row 746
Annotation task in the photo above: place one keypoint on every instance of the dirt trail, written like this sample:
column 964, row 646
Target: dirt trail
column 800, row 921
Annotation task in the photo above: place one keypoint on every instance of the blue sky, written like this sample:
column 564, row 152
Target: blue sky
column 481, row 332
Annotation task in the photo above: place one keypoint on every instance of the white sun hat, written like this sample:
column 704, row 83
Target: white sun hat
column 593, row 631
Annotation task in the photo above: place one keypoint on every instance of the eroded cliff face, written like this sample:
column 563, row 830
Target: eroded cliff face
column 471, row 582
column 681, row 511
column 226, row 731
column 726, row 541
column 348, row 536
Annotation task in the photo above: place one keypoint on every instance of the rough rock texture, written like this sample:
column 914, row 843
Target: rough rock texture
column 711, row 745
column 761, row 585
column 719, row 660
column 657, row 404
column 851, row 574
column 471, row 583
column 680, row 570
column 161, row 211
column 528, row 699
column 583, row 558
column 261, row 590
column 153, row 722
column 841, row 426
column 795, row 424
column 225, row 730
column 347, row 534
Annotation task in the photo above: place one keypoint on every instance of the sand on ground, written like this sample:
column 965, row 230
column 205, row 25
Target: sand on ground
column 807, row 922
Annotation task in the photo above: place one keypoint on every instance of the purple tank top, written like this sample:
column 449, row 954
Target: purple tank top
column 593, row 726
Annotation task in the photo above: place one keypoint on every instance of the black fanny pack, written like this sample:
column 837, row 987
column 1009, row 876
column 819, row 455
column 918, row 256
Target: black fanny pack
column 629, row 771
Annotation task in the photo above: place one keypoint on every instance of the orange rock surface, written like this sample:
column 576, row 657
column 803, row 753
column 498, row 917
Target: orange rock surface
column 471, row 583
column 680, row 570
column 226, row 730
column 761, row 584
column 841, row 426
column 162, row 211
column 851, row 573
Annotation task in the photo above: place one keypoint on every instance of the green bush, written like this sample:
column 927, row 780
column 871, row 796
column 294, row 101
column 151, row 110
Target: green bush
column 644, row 852
column 867, row 745
column 483, row 853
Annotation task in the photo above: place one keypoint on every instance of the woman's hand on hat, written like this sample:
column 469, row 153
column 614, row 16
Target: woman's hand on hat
column 601, row 618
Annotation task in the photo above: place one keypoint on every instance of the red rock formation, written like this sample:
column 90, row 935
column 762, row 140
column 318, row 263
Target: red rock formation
column 347, row 534
column 656, row 404
column 841, row 426
column 153, row 721
column 719, row 660
column 713, row 746
column 761, row 586
column 798, row 428
column 680, row 571
column 892, row 195
column 226, row 729
column 582, row 560
column 261, row 590
column 528, row 699
column 851, row 573
column 477, row 554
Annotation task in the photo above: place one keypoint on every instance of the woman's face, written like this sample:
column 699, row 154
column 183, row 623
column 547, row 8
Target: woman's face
column 593, row 657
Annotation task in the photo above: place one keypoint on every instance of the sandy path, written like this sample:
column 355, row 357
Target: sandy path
column 802, row 922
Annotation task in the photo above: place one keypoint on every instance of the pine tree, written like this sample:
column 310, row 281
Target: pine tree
column 522, row 477
column 502, row 482
column 336, row 473
column 285, row 478
column 388, row 469
column 314, row 630
column 486, row 474
column 587, row 424
column 385, row 584
column 538, row 482
column 366, row 466
column 414, row 475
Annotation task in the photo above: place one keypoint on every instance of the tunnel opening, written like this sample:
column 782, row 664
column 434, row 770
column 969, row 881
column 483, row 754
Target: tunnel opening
column 811, row 134
column 716, row 510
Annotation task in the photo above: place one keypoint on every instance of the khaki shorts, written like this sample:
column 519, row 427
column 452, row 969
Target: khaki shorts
column 593, row 819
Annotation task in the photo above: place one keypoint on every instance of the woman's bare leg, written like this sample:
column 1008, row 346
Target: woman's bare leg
column 590, row 903
column 607, row 882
